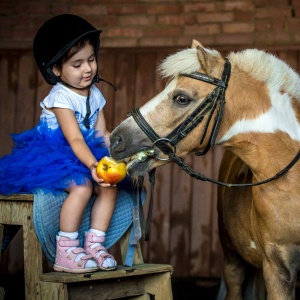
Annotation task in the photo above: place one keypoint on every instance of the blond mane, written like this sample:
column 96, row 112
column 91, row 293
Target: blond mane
column 267, row 68
column 263, row 66
column 184, row 61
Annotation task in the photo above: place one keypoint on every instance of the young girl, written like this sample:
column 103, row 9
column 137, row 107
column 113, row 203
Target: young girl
column 62, row 151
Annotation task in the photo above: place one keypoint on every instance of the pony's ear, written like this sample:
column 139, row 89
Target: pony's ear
column 207, row 60
column 196, row 44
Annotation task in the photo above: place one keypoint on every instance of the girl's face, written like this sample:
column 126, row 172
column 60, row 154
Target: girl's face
column 79, row 70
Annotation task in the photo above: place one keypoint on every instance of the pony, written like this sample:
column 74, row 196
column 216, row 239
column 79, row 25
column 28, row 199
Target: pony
column 248, row 102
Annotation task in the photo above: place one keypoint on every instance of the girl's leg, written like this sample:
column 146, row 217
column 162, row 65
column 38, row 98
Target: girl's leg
column 69, row 256
column 101, row 215
column 103, row 207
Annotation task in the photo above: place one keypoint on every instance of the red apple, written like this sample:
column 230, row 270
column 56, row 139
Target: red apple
column 110, row 170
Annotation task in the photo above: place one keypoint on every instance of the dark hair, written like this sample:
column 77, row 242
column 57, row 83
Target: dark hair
column 72, row 51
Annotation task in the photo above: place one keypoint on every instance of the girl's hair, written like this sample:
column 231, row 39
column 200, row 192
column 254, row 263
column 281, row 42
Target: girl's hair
column 72, row 51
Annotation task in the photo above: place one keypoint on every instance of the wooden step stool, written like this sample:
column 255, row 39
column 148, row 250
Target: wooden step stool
column 139, row 282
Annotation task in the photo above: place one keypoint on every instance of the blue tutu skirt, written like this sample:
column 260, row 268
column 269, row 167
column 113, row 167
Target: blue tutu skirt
column 42, row 158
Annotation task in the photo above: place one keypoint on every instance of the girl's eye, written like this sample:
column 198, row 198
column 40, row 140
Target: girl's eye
column 92, row 59
column 76, row 66
column 181, row 99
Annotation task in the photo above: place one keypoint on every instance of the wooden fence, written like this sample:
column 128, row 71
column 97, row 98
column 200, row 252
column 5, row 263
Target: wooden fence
column 184, row 227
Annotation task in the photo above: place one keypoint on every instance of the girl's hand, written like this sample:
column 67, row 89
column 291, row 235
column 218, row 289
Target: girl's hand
column 99, row 181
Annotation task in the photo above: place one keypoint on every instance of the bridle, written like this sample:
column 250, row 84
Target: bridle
column 214, row 101
column 208, row 106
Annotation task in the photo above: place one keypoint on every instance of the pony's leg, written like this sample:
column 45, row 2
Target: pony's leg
column 234, row 275
column 280, row 281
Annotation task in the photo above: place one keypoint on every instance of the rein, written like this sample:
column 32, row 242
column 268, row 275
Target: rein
column 168, row 144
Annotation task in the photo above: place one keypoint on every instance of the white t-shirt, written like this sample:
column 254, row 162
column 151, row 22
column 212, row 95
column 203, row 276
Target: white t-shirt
column 62, row 97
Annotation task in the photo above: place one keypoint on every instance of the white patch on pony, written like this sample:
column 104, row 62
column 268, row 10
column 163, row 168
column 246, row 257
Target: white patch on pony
column 280, row 116
column 151, row 104
column 184, row 61
column 279, row 77
column 252, row 245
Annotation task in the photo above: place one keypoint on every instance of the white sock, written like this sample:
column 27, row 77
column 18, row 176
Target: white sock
column 97, row 232
column 108, row 262
column 73, row 236
column 70, row 235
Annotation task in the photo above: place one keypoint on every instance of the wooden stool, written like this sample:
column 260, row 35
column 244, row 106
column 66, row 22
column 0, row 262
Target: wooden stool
column 138, row 282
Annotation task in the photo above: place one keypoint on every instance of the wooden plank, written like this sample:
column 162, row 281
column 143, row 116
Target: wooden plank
column 216, row 259
column 112, row 289
column 121, row 272
column 159, row 285
column 53, row 291
column 201, row 218
column 25, row 101
column 20, row 213
column 107, row 71
column 8, row 88
column 17, row 197
column 125, row 80
column 42, row 90
column 180, row 221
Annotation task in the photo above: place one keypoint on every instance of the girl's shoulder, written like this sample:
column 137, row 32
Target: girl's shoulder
column 61, row 96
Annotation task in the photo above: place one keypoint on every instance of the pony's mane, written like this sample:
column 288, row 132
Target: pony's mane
column 267, row 68
column 184, row 61
column 263, row 66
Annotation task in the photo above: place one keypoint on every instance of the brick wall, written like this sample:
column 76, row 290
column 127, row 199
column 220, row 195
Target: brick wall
column 148, row 23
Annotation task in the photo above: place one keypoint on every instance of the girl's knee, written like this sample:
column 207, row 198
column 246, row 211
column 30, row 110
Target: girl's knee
column 82, row 190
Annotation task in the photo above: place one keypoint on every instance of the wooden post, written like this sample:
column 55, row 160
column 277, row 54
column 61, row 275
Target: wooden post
column 17, row 210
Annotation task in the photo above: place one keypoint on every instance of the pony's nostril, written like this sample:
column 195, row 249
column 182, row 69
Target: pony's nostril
column 117, row 144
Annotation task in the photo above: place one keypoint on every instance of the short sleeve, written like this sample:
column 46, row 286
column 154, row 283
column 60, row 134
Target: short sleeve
column 59, row 99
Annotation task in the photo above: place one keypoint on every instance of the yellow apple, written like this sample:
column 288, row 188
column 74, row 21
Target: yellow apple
column 110, row 170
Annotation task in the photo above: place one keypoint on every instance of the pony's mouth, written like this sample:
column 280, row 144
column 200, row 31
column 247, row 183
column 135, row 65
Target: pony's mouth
column 138, row 159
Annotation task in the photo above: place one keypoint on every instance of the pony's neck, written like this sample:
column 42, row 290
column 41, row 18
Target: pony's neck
column 266, row 154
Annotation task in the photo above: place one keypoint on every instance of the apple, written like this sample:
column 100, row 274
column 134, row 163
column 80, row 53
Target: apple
column 111, row 170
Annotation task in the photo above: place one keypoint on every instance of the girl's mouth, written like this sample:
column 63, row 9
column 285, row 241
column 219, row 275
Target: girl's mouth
column 88, row 78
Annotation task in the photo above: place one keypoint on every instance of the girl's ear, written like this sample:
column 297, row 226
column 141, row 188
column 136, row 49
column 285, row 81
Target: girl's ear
column 56, row 71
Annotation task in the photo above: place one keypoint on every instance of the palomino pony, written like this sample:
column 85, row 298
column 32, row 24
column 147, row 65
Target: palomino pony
column 250, row 104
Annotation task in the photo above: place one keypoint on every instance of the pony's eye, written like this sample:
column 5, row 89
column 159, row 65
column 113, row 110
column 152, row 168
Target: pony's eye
column 181, row 99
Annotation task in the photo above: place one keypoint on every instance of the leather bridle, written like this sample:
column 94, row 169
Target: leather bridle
column 208, row 106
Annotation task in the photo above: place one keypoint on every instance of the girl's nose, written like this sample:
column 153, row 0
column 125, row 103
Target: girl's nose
column 87, row 67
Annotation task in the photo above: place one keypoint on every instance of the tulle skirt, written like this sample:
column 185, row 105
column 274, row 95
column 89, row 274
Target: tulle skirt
column 42, row 158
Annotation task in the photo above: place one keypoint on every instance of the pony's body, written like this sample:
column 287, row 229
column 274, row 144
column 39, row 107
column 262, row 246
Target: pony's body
column 259, row 226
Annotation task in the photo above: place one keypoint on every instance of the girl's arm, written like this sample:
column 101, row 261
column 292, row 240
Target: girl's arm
column 100, row 126
column 73, row 135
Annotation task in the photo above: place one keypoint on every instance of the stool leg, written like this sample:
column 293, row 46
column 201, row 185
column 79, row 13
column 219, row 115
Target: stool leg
column 33, row 266
column 20, row 213
column 159, row 285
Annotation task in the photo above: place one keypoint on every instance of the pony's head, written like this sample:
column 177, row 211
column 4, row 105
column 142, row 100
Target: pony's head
column 169, row 109
column 189, row 109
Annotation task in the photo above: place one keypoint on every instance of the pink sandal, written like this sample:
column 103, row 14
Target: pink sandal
column 65, row 261
column 90, row 240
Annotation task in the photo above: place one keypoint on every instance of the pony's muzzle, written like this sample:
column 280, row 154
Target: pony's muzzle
column 117, row 144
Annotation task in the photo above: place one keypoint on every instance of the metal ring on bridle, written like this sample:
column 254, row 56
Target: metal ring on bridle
column 165, row 141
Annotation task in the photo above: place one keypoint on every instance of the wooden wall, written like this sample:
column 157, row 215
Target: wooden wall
column 184, row 226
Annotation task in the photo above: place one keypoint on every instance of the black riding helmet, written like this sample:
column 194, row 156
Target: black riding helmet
column 56, row 37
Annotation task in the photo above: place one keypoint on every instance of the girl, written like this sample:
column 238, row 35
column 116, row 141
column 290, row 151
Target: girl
column 62, row 151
